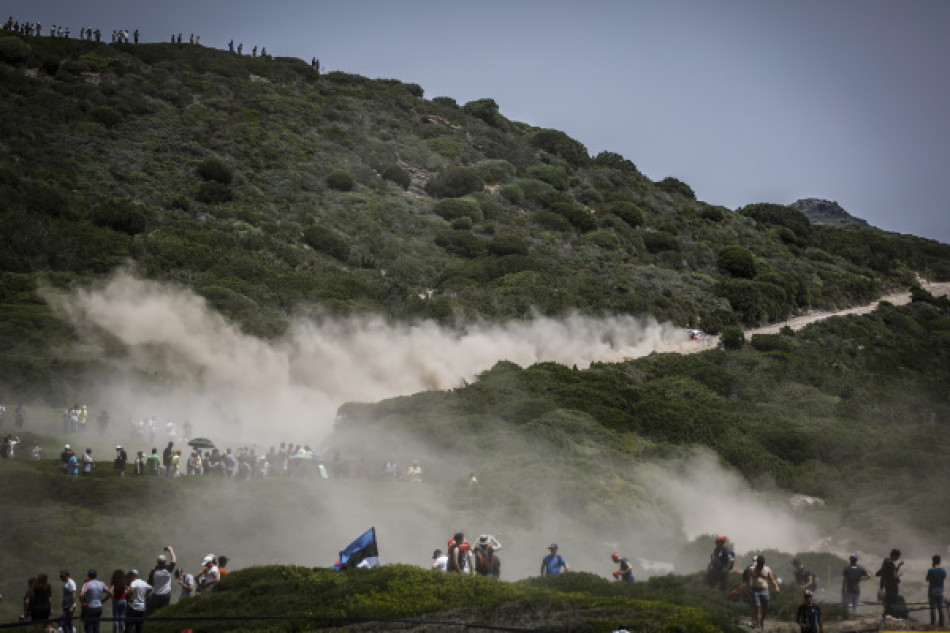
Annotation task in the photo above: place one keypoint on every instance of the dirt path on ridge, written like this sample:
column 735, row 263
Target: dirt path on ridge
column 797, row 323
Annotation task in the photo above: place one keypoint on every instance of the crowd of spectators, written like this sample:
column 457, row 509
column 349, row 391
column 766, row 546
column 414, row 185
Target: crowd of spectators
column 133, row 598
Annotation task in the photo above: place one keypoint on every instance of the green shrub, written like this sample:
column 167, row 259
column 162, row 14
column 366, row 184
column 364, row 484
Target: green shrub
column 463, row 223
column 123, row 216
column 554, row 176
column 495, row 170
column 549, row 220
column 50, row 200
column 452, row 208
column 448, row 147
column 628, row 212
column 341, row 180
column 213, row 193
column 215, row 170
column 492, row 208
column 614, row 161
column 454, row 182
column 106, row 116
column 395, row 173
column 560, row 144
column 787, row 236
column 675, row 186
column 589, row 196
column 771, row 343
column 732, row 337
column 327, row 241
column 508, row 245
column 461, row 243
column 657, row 241
column 487, row 111
column 14, row 51
column 541, row 194
column 513, row 193
column 736, row 261
column 447, row 102
column 778, row 215
column 713, row 214
column 579, row 218
column 607, row 240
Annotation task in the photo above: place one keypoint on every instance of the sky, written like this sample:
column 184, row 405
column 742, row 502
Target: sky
column 744, row 100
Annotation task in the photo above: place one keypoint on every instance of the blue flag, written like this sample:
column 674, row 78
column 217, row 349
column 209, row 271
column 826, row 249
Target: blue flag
column 360, row 553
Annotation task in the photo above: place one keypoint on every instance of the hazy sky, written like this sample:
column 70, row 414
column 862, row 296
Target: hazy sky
column 745, row 100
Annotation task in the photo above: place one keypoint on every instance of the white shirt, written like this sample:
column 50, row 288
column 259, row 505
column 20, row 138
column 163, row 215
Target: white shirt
column 137, row 593
column 442, row 563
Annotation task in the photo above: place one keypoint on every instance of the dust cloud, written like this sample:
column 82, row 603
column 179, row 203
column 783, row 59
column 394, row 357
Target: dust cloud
column 293, row 386
column 707, row 498
column 185, row 361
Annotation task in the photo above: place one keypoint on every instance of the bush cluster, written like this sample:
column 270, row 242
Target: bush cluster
column 214, row 169
column 340, row 180
column 395, row 173
column 454, row 182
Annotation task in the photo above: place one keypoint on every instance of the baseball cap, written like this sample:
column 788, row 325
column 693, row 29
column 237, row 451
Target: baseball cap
column 809, row 592
column 552, row 546
column 853, row 557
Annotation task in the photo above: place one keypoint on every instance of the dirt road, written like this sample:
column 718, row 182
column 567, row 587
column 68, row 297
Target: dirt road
column 797, row 323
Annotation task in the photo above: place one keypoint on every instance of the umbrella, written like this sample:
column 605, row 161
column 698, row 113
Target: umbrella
column 201, row 442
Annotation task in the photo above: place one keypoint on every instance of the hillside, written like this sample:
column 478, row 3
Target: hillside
column 281, row 256
column 272, row 192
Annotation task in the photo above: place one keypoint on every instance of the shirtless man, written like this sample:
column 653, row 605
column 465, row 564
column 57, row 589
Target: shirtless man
column 759, row 576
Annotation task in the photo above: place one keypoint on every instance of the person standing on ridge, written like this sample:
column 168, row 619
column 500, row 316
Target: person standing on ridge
column 154, row 464
column 851, row 579
column 485, row 559
column 936, row 576
column 890, row 574
column 440, row 561
column 553, row 563
column 720, row 564
column 625, row 570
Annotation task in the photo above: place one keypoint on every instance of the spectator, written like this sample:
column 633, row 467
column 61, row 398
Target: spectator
column 94, row 593
column 69, row 599
column 137, row 595
column 120, row 603
column 160, row 578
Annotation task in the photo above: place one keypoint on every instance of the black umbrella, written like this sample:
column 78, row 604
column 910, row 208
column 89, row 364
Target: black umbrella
column 201, row 442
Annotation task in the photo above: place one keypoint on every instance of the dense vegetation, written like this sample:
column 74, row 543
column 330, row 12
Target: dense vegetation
column 265, row 188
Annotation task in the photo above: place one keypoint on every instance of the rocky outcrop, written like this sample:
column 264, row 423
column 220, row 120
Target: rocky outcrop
column 826, row 212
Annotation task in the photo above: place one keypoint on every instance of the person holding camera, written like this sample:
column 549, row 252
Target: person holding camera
column 160, row 578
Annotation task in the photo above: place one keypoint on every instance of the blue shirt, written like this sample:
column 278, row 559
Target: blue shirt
column 72, row 466
column 552, row 564
column 935, row 578
column 92, row 593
